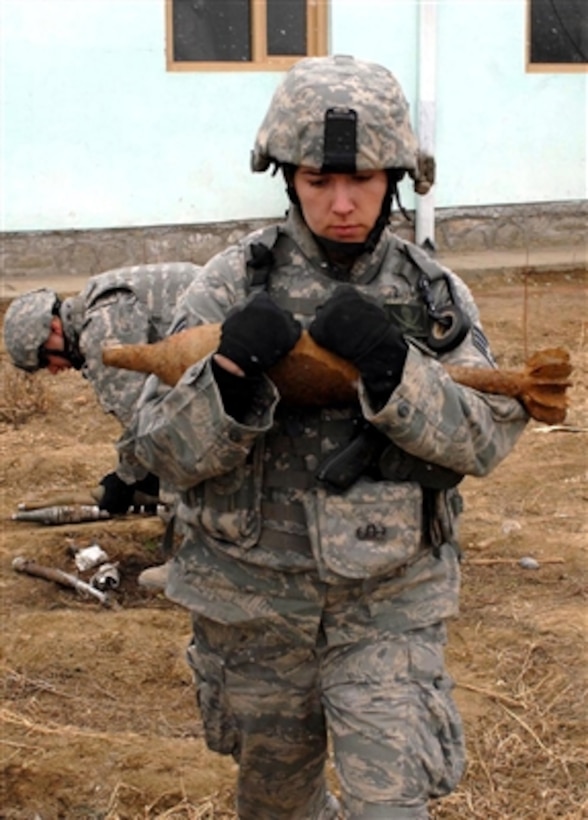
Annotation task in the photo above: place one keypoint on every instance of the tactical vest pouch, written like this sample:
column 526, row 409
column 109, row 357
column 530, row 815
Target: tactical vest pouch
column 371, row 530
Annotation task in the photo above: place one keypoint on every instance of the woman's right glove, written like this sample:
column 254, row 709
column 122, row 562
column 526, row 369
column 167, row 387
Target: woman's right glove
column 254, row 336
column 358, row 329
column 257, row 334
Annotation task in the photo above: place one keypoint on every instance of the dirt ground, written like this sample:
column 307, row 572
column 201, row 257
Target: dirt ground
column 98, row 718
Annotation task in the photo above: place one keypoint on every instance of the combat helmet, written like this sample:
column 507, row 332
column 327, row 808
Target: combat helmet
column 339, row 113
column 27, row 325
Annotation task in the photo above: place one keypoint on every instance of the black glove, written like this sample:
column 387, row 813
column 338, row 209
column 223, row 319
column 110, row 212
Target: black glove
column 148, row 485
column 258, row 334
column 359, row 330
column 117, row 496
column 237, row 391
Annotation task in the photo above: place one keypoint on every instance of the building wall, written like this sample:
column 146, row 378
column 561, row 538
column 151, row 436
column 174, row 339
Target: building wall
column 96, row 134
column 516, row 235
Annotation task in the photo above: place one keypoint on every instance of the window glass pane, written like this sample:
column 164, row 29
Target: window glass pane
column 559, row 31
column 286, row 27
column 211, row 30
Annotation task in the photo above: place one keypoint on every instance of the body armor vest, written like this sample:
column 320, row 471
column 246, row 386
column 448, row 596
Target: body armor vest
column 290, row 454
column 157, row 286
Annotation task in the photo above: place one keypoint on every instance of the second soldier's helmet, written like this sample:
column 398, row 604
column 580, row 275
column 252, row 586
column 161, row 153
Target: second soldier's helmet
column 27, row 325
column 338, row 113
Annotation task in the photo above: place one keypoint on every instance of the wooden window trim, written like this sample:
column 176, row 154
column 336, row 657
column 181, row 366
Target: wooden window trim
column 547, row 68
column 316, row 39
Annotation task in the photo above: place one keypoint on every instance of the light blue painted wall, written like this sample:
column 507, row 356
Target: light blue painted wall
column 504, row 135
column 95, row 133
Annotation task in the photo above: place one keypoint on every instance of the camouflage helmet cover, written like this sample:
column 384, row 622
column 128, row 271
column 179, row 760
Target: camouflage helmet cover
column 294, row 126
column 27, row 325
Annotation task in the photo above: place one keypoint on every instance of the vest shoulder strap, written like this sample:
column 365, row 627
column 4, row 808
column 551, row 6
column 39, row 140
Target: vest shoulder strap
column 260, row 258
column 423, row 262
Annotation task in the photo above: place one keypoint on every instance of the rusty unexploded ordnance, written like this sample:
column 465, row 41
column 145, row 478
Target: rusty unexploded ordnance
column 312, row 376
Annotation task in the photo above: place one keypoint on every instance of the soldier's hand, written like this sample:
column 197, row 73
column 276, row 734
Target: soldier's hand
column 357, row 329
column 117, row 496
column 148, row 487
column 258, row 334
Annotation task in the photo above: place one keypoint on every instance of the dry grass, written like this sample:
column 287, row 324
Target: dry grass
column 527, row 755
column 527, row 751
column 206, row 809
column 123, row 712
column 23, row 396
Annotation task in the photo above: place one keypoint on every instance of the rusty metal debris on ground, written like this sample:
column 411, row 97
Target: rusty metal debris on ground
column 66, row 579
column 89, row 557
column 106, row 577
column 74, row 514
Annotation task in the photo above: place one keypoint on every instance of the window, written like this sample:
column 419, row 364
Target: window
column 557, row 38
column 243, row 34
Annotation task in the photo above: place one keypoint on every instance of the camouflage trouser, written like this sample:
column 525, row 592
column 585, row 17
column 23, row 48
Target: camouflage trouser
column 384, row 698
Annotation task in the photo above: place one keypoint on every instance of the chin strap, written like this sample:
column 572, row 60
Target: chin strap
column 401, row 208
column 70, row 352
column 73, row 355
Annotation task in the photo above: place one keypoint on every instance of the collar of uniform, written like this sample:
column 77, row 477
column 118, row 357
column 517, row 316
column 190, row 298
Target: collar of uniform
column 365, row 268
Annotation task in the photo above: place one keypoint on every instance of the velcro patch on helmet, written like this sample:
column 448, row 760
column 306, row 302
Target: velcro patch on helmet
column 340, row 145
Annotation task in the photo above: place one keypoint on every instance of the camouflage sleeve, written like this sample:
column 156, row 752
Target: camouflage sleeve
column 129, row 469
column 219, row 286
column 118, row 319
column 432, row 417
column 183, row 435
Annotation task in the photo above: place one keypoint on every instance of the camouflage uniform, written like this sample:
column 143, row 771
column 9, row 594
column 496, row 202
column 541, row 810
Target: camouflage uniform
column 123, row 306
column 313, row 610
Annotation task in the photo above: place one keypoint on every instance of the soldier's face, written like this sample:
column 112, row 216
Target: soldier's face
column 53, row 356
column 342, row 207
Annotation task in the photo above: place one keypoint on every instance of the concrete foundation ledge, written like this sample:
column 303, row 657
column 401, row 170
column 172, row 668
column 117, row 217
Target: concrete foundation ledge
column 463, row 236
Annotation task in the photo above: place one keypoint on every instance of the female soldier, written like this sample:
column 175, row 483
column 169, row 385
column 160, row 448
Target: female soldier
column 321, row 561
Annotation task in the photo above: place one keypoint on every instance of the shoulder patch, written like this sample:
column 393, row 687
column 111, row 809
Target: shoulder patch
column 482, row 344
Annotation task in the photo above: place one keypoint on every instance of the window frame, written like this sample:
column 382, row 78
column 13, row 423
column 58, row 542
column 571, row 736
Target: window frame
column 317, row 14
column 546, row 68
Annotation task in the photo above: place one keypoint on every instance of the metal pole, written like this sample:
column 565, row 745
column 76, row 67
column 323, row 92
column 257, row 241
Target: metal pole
column 425, row 203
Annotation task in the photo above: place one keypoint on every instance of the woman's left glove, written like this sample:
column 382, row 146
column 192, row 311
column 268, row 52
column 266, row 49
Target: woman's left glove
column 357, row 329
